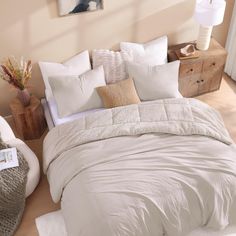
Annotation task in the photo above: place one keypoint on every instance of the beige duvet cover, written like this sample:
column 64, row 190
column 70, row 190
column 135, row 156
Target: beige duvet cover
column 159, row 168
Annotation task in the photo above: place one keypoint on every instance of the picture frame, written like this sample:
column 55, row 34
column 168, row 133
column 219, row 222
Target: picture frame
column 69, row 7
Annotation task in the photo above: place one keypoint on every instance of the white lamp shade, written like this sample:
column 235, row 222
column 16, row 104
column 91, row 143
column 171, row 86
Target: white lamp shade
column 210, row 14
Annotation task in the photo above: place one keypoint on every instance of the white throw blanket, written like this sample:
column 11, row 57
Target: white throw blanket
column 124, row 171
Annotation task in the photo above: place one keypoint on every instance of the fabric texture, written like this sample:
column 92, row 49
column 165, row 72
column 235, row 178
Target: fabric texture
column 53, row 113
column 113, row 63
column 148, row 185
column 163, row 167
column 12, row 195
column 230, row 68
column 176, row 116
column 51, row 224
column 120, row 94
column 76, row 65
column 151, row 53
column 75, row 94
column 33, row 175
column 6, row 132
column 155, row 82
column 8, row 137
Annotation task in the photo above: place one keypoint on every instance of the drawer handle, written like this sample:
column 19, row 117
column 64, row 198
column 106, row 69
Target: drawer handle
column 190, row 70
column 199, row 81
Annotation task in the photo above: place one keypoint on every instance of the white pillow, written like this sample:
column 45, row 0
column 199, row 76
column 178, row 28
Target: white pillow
column 155, row 82
column 75, row 94
column 77, row 65
column 113, row 63
column 151, row 53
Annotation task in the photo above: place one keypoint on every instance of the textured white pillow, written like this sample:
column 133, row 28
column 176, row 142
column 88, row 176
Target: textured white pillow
column 151, row 53
column 113, row 63
column 75, row 94
column 155, row 82
column 77, row 65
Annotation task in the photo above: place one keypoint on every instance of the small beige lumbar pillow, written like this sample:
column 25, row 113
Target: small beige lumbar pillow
column 120, row 94
column 75, row 94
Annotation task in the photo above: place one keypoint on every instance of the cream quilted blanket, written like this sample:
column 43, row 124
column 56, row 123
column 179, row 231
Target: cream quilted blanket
column 166, row 166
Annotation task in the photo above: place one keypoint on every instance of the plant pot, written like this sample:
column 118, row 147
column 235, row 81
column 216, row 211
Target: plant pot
column 24, row 97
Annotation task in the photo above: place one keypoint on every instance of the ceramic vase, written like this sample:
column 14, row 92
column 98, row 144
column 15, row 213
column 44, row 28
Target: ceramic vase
column 24, row 97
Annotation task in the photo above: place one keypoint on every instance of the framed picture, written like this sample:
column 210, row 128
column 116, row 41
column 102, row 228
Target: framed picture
column 67, row 7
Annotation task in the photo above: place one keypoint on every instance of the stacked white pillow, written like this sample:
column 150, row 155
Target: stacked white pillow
column 75, row 94
column 77, row 65
column 71, row 85
column 155, row 82
column 151, row 53
column 153, row 77
column 64, row 95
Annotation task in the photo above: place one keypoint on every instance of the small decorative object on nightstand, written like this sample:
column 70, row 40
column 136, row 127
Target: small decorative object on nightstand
column 29, row 121
column 187, row 51
column 202, row 74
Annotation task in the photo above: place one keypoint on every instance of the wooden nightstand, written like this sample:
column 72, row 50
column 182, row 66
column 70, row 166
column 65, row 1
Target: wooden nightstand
column 203, row 74
column 29, row 121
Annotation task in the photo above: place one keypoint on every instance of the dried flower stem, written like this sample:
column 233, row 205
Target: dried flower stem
column 16, row 74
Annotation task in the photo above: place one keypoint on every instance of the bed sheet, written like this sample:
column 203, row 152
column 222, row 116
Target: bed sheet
column 58, row 121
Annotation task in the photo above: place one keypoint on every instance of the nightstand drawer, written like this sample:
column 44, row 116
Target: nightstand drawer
column 213, row 63
column 204, row 84
column 189, row 86
column 189, row 69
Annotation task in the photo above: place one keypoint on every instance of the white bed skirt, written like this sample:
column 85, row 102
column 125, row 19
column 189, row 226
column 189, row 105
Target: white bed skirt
column 53, row 224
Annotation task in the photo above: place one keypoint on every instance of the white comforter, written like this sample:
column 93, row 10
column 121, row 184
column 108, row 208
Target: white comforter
column 160, row 168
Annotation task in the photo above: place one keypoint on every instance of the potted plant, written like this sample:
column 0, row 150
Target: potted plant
column 17, row 74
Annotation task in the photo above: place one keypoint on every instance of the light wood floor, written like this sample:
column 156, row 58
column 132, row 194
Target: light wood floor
column 40, row 201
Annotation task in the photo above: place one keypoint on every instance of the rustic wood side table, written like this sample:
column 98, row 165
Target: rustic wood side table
column 29, row 121
column 203, row 74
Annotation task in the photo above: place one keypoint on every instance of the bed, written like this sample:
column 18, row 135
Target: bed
column 169, row 169
column 162, row 165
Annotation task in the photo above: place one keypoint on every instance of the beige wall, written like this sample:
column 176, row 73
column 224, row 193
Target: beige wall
column 34, row 29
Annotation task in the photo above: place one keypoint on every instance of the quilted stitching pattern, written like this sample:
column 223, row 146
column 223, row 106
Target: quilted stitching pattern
column 174, row 116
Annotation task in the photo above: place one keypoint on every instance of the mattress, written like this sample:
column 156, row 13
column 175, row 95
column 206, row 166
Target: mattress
column 47, row 114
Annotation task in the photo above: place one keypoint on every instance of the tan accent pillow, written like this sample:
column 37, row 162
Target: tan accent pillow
column 119, row 94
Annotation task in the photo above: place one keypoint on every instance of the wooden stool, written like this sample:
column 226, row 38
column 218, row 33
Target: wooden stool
column 29, row 121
